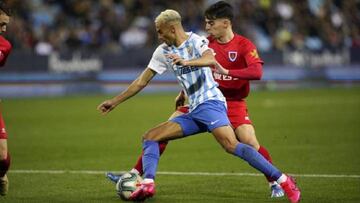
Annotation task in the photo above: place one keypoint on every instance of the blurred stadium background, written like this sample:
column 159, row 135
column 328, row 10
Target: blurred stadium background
column 67, row 51
column 97, row 46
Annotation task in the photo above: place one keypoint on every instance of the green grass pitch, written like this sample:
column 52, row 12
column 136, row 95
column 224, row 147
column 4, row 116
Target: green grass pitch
column 308, row 132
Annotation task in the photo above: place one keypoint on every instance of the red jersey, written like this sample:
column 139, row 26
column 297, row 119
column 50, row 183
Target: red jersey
column 5, row 49
column 240, row 57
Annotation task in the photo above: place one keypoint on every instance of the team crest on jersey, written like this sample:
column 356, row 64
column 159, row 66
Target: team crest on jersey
column 190, row 50
column 232, row 55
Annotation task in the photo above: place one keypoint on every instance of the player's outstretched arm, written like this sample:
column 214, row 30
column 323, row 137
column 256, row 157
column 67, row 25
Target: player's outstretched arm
column 252, row 72
column 136, row 86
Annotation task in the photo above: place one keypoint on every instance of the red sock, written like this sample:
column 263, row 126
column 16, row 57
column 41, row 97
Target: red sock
column 264, row 152
column 139, row 167
column 4, row 165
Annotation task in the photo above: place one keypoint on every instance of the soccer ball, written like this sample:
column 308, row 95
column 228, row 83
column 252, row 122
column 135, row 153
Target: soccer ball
column 127, row 184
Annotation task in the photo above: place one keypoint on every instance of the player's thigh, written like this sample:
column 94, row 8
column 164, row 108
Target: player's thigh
column 3, row 149
column 165, row 131
column 240, row 120
column 246, row 134
column 226, row 137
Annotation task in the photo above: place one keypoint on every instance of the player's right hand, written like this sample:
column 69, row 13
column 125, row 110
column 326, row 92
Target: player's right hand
column 176, row 59
column 180, row 100
column 106, row 106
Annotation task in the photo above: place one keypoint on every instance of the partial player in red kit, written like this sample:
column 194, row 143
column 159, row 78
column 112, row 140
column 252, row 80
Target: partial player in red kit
column 237, row 63
column 5, row 49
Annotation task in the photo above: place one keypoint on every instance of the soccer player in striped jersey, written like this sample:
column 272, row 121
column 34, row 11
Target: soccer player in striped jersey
column 238, row 54
column 5, row 49
column 207, row 104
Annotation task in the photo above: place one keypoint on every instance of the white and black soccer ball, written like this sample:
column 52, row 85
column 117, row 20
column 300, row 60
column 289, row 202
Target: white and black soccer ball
column 127, row 184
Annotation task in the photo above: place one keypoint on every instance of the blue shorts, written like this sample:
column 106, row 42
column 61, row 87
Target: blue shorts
column 207, row 116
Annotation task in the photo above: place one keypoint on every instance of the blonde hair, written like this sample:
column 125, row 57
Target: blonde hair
column 168, row 16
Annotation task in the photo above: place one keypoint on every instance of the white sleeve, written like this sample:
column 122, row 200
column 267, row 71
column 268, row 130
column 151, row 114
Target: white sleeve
column 158, row 61
column 201, row 44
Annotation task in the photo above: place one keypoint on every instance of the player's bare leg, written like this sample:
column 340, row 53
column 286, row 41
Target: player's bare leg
column 246, row 134
column 4, row 165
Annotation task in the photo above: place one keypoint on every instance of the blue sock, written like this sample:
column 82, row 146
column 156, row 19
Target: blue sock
column 150, row 158
column 256, row 160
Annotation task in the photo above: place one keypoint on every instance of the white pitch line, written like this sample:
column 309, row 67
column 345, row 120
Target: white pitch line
column 179, row 173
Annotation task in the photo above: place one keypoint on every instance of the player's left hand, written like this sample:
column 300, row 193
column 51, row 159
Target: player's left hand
column 180, row 100
column 176, row 59
column 219, row 69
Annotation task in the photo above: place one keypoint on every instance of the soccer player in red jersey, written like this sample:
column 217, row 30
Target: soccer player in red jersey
column 239, row 56
column 242, row 63
column 5, row 48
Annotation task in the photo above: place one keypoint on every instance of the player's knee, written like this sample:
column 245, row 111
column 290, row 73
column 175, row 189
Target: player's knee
column 252, row 142
column 3, row 154
column 229, row 150
column 248, row 138
column 229, row 147
column 147, row 136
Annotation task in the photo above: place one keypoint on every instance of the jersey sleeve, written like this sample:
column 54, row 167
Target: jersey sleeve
column 251, row 72
column 202, row 44
column 5, row 49
column 250, row 54
column 158, row 61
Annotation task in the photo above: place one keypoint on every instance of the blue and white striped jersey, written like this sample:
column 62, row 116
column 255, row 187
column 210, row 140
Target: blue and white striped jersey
column 197, row 82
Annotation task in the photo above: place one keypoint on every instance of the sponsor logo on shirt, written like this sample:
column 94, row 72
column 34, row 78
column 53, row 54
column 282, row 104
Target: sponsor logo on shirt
column 254, row 54
column 218, row 76
column 203, row 43
column 186, row 70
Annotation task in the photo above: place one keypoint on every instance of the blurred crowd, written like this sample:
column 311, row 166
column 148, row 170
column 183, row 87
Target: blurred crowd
column 45, row 26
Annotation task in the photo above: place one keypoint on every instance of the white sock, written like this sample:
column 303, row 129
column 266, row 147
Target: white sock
column 134, row 170
column 282, row 179
column 148, row 180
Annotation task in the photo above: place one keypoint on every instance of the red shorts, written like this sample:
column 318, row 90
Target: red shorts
column 3, row 134
column 237, row 113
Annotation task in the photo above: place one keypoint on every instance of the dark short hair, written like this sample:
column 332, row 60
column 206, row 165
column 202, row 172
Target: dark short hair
column 220, row 9
column 4, row 8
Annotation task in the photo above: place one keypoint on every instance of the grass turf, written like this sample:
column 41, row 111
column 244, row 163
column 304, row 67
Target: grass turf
column 306, row 132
